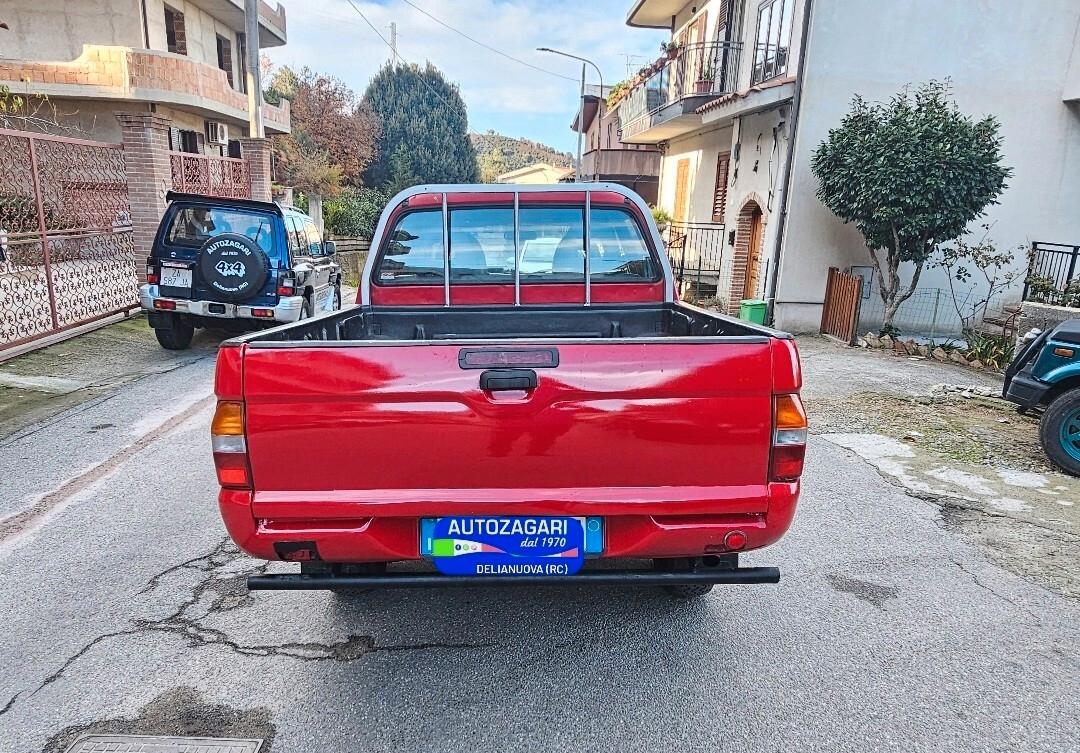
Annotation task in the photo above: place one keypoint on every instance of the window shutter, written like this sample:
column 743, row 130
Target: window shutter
column 719, row 206
column 174, row 139
column 682, row 177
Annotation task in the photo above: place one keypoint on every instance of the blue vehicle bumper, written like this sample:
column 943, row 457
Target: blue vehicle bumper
column 1025, row 390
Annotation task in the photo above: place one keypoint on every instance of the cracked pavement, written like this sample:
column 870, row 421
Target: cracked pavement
column 124, row 611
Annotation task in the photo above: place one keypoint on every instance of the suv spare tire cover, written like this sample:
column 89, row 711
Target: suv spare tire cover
column 233, row 267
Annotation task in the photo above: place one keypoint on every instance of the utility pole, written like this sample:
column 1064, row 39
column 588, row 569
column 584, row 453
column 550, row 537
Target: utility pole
column 580, row 125
column 254, row 75
column 393, row 41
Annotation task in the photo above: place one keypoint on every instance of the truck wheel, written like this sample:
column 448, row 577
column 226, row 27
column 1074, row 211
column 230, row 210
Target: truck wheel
column 177, row 337
column 1059, row 432
column 308, row 309
column 337, row 299
column 685, row 591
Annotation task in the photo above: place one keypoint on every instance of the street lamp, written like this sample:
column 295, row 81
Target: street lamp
column 581, row 111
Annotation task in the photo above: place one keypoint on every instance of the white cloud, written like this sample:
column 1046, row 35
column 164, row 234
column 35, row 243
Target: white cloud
column 329, row 36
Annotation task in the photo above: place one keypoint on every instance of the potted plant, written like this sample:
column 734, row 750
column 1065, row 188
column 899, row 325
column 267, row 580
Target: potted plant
column 704, row 82
column 670, row 49
column 662, row 219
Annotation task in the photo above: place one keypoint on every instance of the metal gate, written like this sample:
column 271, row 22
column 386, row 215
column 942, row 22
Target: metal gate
column 66, row 251
column 840, row 314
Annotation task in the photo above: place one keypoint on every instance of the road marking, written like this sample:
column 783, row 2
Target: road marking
column 21, row 523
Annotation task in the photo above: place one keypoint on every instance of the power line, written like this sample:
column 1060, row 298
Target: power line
column 393, row 49
column 487, row 46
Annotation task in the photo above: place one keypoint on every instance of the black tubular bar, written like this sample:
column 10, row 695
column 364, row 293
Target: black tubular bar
column 297, row 582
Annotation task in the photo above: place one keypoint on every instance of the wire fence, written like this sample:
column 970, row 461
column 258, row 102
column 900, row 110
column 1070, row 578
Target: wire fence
column 931, row 314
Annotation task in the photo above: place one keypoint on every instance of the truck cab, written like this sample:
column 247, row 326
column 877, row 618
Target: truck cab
column 235, row 264
column 517, row 362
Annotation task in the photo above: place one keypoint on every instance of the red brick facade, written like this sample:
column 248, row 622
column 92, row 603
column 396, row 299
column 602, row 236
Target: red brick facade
column 146, row 160
column 256, row 154
column 740, row 260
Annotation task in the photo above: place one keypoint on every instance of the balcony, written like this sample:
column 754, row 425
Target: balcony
column 616, row 164
column 663, row 105
column 124, row 74
column 272, row 31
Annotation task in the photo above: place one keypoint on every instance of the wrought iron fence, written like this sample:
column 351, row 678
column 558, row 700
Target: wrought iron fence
column 1053, row 274
column 696, row 251
column 68, row 256
column 211, row 176
column 708, row 68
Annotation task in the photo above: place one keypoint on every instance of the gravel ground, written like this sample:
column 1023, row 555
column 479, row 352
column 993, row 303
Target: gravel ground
column 941, row 432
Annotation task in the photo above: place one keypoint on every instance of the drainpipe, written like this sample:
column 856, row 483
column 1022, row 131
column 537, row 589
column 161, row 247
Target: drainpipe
column 785, row 198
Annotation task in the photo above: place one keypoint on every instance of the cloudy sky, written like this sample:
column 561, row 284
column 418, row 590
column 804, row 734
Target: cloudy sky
column 329, row 36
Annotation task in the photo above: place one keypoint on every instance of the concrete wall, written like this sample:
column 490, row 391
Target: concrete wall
column 58, row 29
column 1004, row 58
column 701, row 148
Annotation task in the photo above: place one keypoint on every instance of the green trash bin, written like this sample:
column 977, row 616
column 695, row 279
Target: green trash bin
column 753, row 310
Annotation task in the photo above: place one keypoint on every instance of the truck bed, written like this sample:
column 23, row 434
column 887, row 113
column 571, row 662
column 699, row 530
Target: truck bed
column 651, row 320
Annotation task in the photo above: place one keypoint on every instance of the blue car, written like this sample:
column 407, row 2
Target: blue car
column 236, row 265
column 1046, row 372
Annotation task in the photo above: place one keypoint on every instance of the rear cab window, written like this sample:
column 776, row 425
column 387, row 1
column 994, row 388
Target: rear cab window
column 193, row 225
column 481, row 247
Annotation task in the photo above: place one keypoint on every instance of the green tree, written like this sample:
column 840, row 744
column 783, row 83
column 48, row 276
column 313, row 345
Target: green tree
column 327, row 118
column 424, row 136
column 911, row 174
column 492, row 165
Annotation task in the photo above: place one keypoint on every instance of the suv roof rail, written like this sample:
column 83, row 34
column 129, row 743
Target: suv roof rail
column 172, row 196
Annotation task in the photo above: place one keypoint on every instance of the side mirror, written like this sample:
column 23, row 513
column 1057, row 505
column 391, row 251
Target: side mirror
column 329, row 248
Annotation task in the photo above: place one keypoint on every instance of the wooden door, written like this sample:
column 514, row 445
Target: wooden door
column 682, row 179
column 753, row 255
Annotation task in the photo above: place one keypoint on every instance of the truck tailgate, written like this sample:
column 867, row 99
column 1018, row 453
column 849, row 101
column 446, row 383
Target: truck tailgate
column 365, row 429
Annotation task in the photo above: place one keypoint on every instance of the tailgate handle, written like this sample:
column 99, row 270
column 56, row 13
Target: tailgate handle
column 494, row 380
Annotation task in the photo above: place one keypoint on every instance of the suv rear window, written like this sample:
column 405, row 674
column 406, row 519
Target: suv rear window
column 194, row 225
column 481, row 246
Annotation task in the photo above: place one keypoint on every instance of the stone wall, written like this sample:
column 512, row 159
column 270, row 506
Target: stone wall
column 1042, row 316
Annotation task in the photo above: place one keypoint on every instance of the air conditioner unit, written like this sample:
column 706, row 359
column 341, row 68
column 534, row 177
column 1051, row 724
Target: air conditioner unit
column 217, row 133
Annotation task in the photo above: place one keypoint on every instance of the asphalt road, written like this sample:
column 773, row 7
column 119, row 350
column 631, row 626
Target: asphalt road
column 123, row 609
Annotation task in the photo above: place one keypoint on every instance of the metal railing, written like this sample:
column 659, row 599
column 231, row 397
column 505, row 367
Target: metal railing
column 703, row 69
column 226, row 177
column 1053, row 274
column 696, row 251
column 67, row 256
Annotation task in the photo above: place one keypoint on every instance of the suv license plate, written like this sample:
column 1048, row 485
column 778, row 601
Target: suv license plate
column 174, row 277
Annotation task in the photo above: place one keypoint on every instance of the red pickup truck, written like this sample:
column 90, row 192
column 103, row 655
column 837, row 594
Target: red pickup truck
column 519, row 366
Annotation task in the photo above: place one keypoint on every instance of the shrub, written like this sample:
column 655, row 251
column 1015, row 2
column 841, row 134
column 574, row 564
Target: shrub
column 354, row 212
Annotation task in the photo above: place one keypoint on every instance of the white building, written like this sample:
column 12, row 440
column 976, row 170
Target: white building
column 758, row 84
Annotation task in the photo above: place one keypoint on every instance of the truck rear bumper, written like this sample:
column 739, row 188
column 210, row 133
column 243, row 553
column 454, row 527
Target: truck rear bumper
column 330, row 535
column 294, row 582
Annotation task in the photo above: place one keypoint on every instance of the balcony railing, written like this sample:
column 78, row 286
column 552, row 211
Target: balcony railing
column 1053, row 274
column 700, row 70
column 696, row 252
column 634, row 162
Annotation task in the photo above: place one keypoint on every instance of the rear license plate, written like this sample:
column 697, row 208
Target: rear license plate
column 175, row 277
column 497, row 545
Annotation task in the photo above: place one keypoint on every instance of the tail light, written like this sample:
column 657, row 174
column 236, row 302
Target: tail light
column 230, row 445
column 152, row 276
column 789, row 438
column 287, row 284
